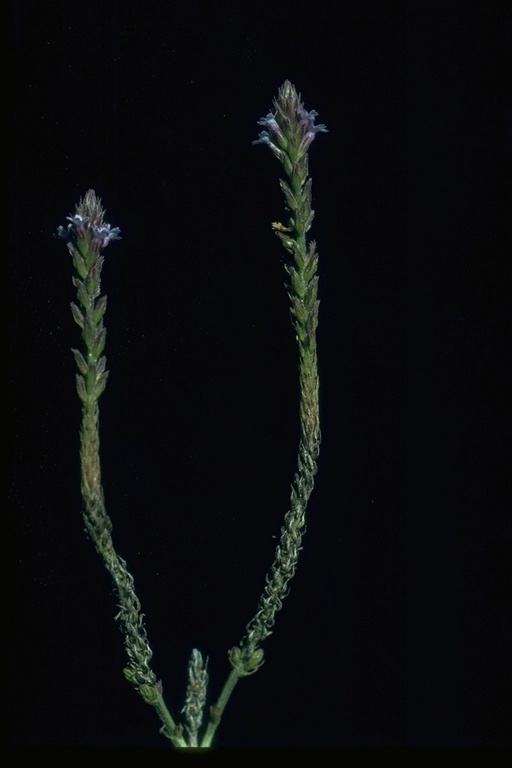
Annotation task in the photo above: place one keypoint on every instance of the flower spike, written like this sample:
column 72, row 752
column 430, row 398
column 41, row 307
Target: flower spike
column 290, row 129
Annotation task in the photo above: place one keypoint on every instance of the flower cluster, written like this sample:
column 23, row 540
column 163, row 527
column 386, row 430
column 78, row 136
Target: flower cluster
column 87, row 226
column 290, row 129
column 101, row 236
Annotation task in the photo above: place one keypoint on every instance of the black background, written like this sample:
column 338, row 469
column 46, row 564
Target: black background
column 397, row 629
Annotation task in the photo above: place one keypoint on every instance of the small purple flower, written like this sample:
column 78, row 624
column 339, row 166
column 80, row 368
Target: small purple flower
column 103, row 235
column 264, row 138
column 307, row 121
column 78, row 224
column 63, row 234
column 271, row 123
column 78, row 221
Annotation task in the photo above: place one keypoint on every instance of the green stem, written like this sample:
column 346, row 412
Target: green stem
column 217, row 710
column 169, row 728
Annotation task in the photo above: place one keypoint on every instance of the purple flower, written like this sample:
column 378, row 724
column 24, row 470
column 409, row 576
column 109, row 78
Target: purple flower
column 307, row 121
column 63, row 234
column 75, row 229
column 103, row 235
column 78, row 221
column 271, row 123
column 264, row 138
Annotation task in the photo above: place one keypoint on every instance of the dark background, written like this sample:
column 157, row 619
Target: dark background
column 397, row 630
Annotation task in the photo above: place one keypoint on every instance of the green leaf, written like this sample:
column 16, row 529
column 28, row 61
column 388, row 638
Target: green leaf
column 78, row 263
column 77, row 315
column 81, row 362
column 99, row 309
column 290, row 198
column 81, row 291
column 311, row 294
column 80, row 388
column 99, row 343
column 298, row 284
column 100, row 384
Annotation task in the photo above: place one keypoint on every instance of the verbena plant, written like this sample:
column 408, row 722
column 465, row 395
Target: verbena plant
column 288, row 131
